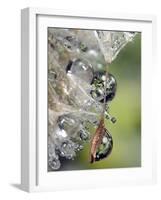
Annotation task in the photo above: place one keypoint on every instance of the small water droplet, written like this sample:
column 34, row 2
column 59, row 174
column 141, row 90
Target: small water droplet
column 113, row 120
column 54, row 164
column 84, row 134
column 67, row 149
column 52, row 75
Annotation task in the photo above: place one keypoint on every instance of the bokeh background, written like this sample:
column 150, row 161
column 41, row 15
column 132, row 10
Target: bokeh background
column 126, row 107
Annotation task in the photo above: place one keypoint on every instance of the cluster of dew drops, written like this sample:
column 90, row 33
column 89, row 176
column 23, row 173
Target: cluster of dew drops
column 71, row 130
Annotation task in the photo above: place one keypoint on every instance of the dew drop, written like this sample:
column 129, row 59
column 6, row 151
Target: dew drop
column 84, row 134
column 67, row 149
column 54, row 164
column 82, row 69
column 98, row 87
column 68, row 123
column 105, row 147
column 113, row 120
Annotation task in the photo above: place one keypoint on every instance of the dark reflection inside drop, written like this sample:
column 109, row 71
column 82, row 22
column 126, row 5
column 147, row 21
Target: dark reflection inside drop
column 105, row 147
column 98, row 84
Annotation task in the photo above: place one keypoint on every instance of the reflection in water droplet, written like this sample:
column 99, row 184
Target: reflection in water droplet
column 68, row 123
column 113, row 120
column 76, row 64
column 98, row 87
column 84, row 134
column 67, row 149
column 105, row 147
column 54, row 164
column 83, row 70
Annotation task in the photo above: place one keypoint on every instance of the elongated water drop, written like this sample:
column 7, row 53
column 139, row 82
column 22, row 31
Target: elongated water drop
column 105, row 147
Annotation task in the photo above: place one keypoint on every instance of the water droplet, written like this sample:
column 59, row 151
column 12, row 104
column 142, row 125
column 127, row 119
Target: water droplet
column 105, row 147
column 68, row 123
column 67, row 149
column 83, row 70
column 113, row 120
column 54, row 164
column 97, row 91
column 78, row 147
column 84, row 134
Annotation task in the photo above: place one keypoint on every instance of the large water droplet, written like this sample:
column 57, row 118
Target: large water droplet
column 99, row 82
column 82, row 69
column 105, row 147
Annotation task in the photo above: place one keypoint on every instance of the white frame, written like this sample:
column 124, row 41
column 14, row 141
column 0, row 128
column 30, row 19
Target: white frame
column 32, row 175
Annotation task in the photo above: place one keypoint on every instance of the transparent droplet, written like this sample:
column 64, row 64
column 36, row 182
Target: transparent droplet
column 68, row 123
column 98, row 87
column 54, row 164
column 67, row 149
column 105, row 147
column 61, row 133
column 78, row 147
column 83, row 70
column 109, row 117
column 84, row 134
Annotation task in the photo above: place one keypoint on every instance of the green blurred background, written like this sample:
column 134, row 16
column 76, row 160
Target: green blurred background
column 126, row 107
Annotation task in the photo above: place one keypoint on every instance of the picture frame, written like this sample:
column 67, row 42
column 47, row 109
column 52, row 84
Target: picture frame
column 34, row 173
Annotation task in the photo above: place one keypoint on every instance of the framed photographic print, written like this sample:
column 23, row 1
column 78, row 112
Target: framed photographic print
column 86, row 99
